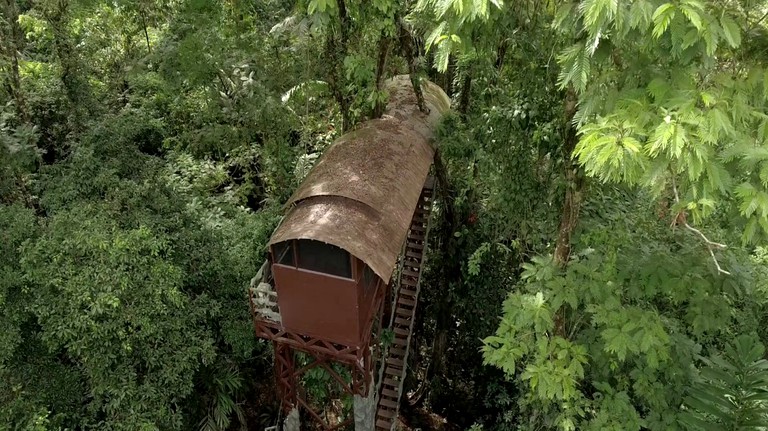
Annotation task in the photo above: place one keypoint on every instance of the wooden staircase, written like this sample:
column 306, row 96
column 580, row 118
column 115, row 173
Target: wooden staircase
column 406, row 299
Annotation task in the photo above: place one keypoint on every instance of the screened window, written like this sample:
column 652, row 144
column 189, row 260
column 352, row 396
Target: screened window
column 326, row 258
column 283, row 253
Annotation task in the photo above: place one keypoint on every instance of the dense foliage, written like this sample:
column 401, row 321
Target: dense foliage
column 598, row 256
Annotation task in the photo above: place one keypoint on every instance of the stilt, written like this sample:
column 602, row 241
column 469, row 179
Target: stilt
column 292, row 421
column 365, row 410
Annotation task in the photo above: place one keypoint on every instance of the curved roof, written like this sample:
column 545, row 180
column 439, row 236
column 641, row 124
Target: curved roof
column 362, row 192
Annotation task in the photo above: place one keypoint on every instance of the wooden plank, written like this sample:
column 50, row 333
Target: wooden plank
column 391, row 382
column 403, row 322
column 400, row 342
column 415, row 246
column 410, row 273
column 411, row 261
column 406, row 302
column 388, row 403
column 386, row 413
column 384, row 424
column 389, row 393
column 395, row 362
column 401, row 331
column 400, row 353
column 418, row 228
column 404, row 313
column 414, row 255
column 413, row 237
column 412, row 266
column 409, row 282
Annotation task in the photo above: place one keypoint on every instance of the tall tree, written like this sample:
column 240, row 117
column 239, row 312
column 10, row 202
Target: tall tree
column 12, row 43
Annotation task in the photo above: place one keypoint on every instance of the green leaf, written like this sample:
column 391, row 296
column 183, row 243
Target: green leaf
column 731, row 31
column 663, row 15
column 692, row 15
column 437, row 32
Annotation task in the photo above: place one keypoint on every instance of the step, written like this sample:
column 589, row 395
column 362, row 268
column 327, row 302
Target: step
column 414, row 255
column 401, row 331
column 408, row 282
column 389, row 393
column 411, row 264
column 406, row 316
column 415, row 246
column 414, row 237
column 397, row 352
column 400, row 342
column 410, row 273
column 388, row 403
column 406, row 313
column 406, row 302
column 418, row 228
column 398, row 363
column 407, row 291
column 393, row 355
column 383, row 424
column 403, row 322
column 391, row 382
column 386, row 413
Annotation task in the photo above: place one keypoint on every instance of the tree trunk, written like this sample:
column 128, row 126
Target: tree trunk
column 574, row 183
column 466, row 94
column 75, row 86
column 146, row 33
column 569, row 217
column 407, row 48
column 381, row 66
column 12, row 44
column 336, row 51
column 501, row 54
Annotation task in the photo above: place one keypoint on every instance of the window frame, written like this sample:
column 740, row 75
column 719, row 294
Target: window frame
column 353, row 272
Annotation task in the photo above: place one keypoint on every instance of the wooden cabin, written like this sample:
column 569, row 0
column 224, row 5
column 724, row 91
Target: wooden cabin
column 323, row 291
column 336, row 248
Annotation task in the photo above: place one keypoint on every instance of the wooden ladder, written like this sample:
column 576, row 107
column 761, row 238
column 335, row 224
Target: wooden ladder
column 404, row 313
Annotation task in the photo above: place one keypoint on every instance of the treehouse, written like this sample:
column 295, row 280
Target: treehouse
column 352, row 235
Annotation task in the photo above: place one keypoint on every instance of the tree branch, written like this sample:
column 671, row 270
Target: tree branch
column 711, row 245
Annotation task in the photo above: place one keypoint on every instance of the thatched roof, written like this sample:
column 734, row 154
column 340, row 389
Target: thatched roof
column 362, row 192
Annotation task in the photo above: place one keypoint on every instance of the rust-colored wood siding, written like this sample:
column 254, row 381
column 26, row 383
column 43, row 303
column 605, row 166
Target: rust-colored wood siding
column 365, row 296
column 319, row 305
column 365, row 306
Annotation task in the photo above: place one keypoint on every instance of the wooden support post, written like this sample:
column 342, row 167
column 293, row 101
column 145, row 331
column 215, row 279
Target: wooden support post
column 365, row 409
column 285, row 376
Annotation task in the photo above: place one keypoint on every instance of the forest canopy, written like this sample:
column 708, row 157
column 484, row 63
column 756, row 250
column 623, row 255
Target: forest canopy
column 599, row 249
